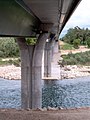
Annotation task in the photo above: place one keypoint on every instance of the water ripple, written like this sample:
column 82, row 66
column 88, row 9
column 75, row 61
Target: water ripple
column 65, row 93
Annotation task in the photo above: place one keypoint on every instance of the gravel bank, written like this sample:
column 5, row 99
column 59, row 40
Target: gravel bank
column 74, row 71
column 12, row 72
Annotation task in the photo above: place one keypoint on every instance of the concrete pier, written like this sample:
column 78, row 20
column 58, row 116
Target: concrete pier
column 37, row 71
column 31, row 71
column 26, row 73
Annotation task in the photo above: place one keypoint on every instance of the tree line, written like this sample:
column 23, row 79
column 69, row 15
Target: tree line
column 10, row 48
column 77, row 36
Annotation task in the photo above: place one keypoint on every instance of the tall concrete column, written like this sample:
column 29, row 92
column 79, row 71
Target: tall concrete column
column 37, row 71
column 31, row 72
column 26, row 73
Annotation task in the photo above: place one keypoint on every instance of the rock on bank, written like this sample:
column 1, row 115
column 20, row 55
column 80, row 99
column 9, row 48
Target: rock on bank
column 10, row 72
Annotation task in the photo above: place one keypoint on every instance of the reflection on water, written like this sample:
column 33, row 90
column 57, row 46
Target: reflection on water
column 65, row 93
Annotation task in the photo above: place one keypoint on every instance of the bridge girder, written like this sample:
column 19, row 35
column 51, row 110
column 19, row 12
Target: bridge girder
column 29, row 18
column 16, row 21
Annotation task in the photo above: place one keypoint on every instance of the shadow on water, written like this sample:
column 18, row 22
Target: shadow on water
column 67, row 93
column 53, row 94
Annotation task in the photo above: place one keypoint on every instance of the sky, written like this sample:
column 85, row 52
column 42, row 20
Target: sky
column 80, row 17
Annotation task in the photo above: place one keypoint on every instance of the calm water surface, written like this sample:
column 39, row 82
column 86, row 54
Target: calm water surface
column 66, row 93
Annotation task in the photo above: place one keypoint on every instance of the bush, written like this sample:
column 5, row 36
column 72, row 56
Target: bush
column 70, row 61
column 66, row 46
column 31, row 41
column 77, row 59
column 76, row 43
column 8, row 48
column 88, row 42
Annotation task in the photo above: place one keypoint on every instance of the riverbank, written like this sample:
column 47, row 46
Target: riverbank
column 12, row 72
column 65, row 114
column 74, row 71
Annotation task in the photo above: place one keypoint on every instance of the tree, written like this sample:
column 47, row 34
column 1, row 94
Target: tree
column 88, row 42
column 77, row 33
column 8, row 47
column 76, row 43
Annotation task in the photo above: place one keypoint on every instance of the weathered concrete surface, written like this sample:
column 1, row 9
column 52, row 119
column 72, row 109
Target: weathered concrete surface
column 37, row 71
column 47, row 59
column 31, row 71
column 74, row 114
column 26, row 71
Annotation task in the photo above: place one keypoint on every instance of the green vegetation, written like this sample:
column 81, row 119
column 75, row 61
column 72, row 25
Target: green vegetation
column 8, row 48
column 76, row 36
column 76, row 43
column 67, row 46
column 82, row 58
column 10, row 61
column 88, row 42
column 31, row 41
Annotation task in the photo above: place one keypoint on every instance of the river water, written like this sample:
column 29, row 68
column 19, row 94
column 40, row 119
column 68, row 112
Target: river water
column 69, row 93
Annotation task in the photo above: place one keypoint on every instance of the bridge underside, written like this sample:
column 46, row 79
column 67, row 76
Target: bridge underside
column 43, row 19
column 29, row 18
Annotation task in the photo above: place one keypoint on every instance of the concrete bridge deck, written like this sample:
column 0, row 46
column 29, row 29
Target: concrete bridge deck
column 70, row 114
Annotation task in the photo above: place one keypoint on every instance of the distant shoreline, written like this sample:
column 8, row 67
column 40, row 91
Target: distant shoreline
column 12, row 72
column 74, row 71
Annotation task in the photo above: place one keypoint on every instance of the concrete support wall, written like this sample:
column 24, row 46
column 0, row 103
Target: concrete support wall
column 31, row 72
